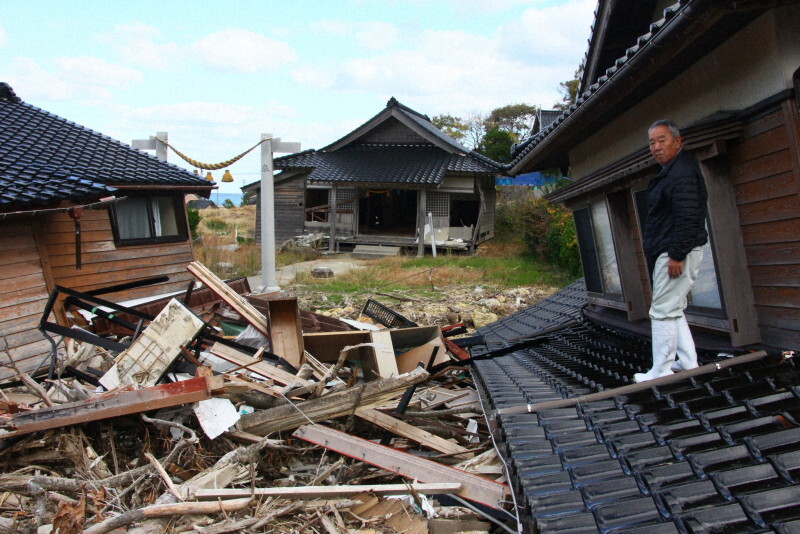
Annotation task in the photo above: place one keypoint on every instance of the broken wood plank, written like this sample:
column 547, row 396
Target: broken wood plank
column 337, row 404
column 233, row 299
column 316, row 492
column 473, row 487
column 256, row 365
column 114, row 405
column 285, row 331
column 384, row 362
column 403, row 429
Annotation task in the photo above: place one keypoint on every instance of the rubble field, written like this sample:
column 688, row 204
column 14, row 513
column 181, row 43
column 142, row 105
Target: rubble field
column 220, row 411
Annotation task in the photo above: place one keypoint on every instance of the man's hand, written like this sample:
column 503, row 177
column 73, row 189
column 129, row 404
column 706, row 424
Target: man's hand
column 674, row 268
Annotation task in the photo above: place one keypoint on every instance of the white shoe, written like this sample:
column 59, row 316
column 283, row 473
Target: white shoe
column 687, row 355
column 665, row 340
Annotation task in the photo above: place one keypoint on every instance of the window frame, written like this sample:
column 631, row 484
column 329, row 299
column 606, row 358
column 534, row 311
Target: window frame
column 180, row 220
column 605, row 297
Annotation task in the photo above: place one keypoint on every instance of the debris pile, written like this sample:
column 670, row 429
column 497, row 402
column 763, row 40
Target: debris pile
column 295, row 423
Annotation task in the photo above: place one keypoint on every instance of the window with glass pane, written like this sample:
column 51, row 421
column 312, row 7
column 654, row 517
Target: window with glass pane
column 143, row 219
column 705, row 293
column 609, row 270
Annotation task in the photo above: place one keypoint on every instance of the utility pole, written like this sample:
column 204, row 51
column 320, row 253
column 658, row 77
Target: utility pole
column 269, row 145
column 157, row 143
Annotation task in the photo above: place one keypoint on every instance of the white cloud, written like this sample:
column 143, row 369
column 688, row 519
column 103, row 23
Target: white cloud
column 338, row 28
column 87, row 80
column 93, row 71
column 239, row 50
column 376, row 35
column 31, row 82
column 137, row 43
column 460, row 72
column 550, row 35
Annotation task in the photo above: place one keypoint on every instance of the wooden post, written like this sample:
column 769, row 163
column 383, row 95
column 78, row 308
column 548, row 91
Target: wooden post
column 422, row 203
column 332, row 221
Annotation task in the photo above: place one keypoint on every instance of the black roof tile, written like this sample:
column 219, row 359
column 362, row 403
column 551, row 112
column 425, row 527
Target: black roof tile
column 396, row 164
column 45, row 159
column 663, row 457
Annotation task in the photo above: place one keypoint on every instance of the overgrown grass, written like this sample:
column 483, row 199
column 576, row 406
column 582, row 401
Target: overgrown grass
column 425, row 276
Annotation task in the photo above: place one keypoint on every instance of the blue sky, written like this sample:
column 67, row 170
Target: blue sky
column 215, row 75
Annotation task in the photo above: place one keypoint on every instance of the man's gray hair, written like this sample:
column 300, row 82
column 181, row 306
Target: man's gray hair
column 670, row 124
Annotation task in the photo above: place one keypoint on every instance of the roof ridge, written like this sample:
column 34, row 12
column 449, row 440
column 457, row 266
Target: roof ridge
column 7, row 93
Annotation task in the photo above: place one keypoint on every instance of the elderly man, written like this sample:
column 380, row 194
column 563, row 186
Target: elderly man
column 674, row 235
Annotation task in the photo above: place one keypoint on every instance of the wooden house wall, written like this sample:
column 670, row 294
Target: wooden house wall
column 105, row 264
column 393, row 131
column 486, row 230
column 23, row 295
column 289, row 210
column 766, row 173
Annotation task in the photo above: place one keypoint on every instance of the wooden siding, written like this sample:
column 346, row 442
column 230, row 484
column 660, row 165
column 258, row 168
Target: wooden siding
column 393, row 131
column 23, row 295
column 765, row 175
column 289, row 210
column 105, row 264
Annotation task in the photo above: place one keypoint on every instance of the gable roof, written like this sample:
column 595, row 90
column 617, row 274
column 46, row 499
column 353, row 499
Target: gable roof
column 688, row 30
column 45, row 159
column 423, row 159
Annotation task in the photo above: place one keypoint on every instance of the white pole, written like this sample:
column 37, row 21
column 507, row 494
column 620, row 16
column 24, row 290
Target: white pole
column 267, row 217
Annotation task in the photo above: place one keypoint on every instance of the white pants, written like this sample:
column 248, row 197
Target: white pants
column 670, row 294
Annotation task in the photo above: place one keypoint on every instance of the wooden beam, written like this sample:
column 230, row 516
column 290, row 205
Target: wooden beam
column 473, row 487
column 333, row 405
column 285, row 330
column 632, row 388
column 403, row 429
column 236, row 301
column 254, row 364
column 316, row 492
column 384, row 361
column 114, row 405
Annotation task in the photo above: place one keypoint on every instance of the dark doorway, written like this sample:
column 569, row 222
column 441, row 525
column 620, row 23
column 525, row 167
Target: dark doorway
column 387, row 212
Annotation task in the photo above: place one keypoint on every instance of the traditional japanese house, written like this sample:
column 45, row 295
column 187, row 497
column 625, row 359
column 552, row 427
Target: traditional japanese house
column 82, row 211
column 737, row 104
column 377, row 185
column 715, row 449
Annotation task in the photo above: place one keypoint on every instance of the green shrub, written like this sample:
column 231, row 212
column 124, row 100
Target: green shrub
column 194, row 221
column 547, row 229
column 216, row 225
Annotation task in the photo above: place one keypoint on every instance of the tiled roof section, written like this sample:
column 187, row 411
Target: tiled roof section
column 711, row 453
column 406, row 164
column 523, row 149
column 35, row 144
column 559, row 308
column 22, row 187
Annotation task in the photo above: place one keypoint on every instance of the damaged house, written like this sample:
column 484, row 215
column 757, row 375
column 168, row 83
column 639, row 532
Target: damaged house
column 377, row 185
column 716, row 449
column 80, row 210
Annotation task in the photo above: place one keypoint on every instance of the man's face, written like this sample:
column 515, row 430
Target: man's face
column 663, row 145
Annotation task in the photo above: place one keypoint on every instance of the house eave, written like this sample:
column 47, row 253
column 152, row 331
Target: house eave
column 699, row 25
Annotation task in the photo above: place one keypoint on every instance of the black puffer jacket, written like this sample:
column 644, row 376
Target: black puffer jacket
column 677, row 203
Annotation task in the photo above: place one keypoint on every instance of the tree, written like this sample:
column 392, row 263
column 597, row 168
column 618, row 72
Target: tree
column 228, row 203
column 194, row 221
column 569, row 89
column 496, row 145
column 514, row 118
column 247, row 198
column 452, row 126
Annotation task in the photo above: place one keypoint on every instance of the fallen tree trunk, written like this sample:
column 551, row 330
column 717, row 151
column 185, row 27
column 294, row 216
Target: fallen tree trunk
column 329, row 406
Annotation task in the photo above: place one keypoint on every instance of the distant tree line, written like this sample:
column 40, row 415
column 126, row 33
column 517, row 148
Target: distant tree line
column 494, row 134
